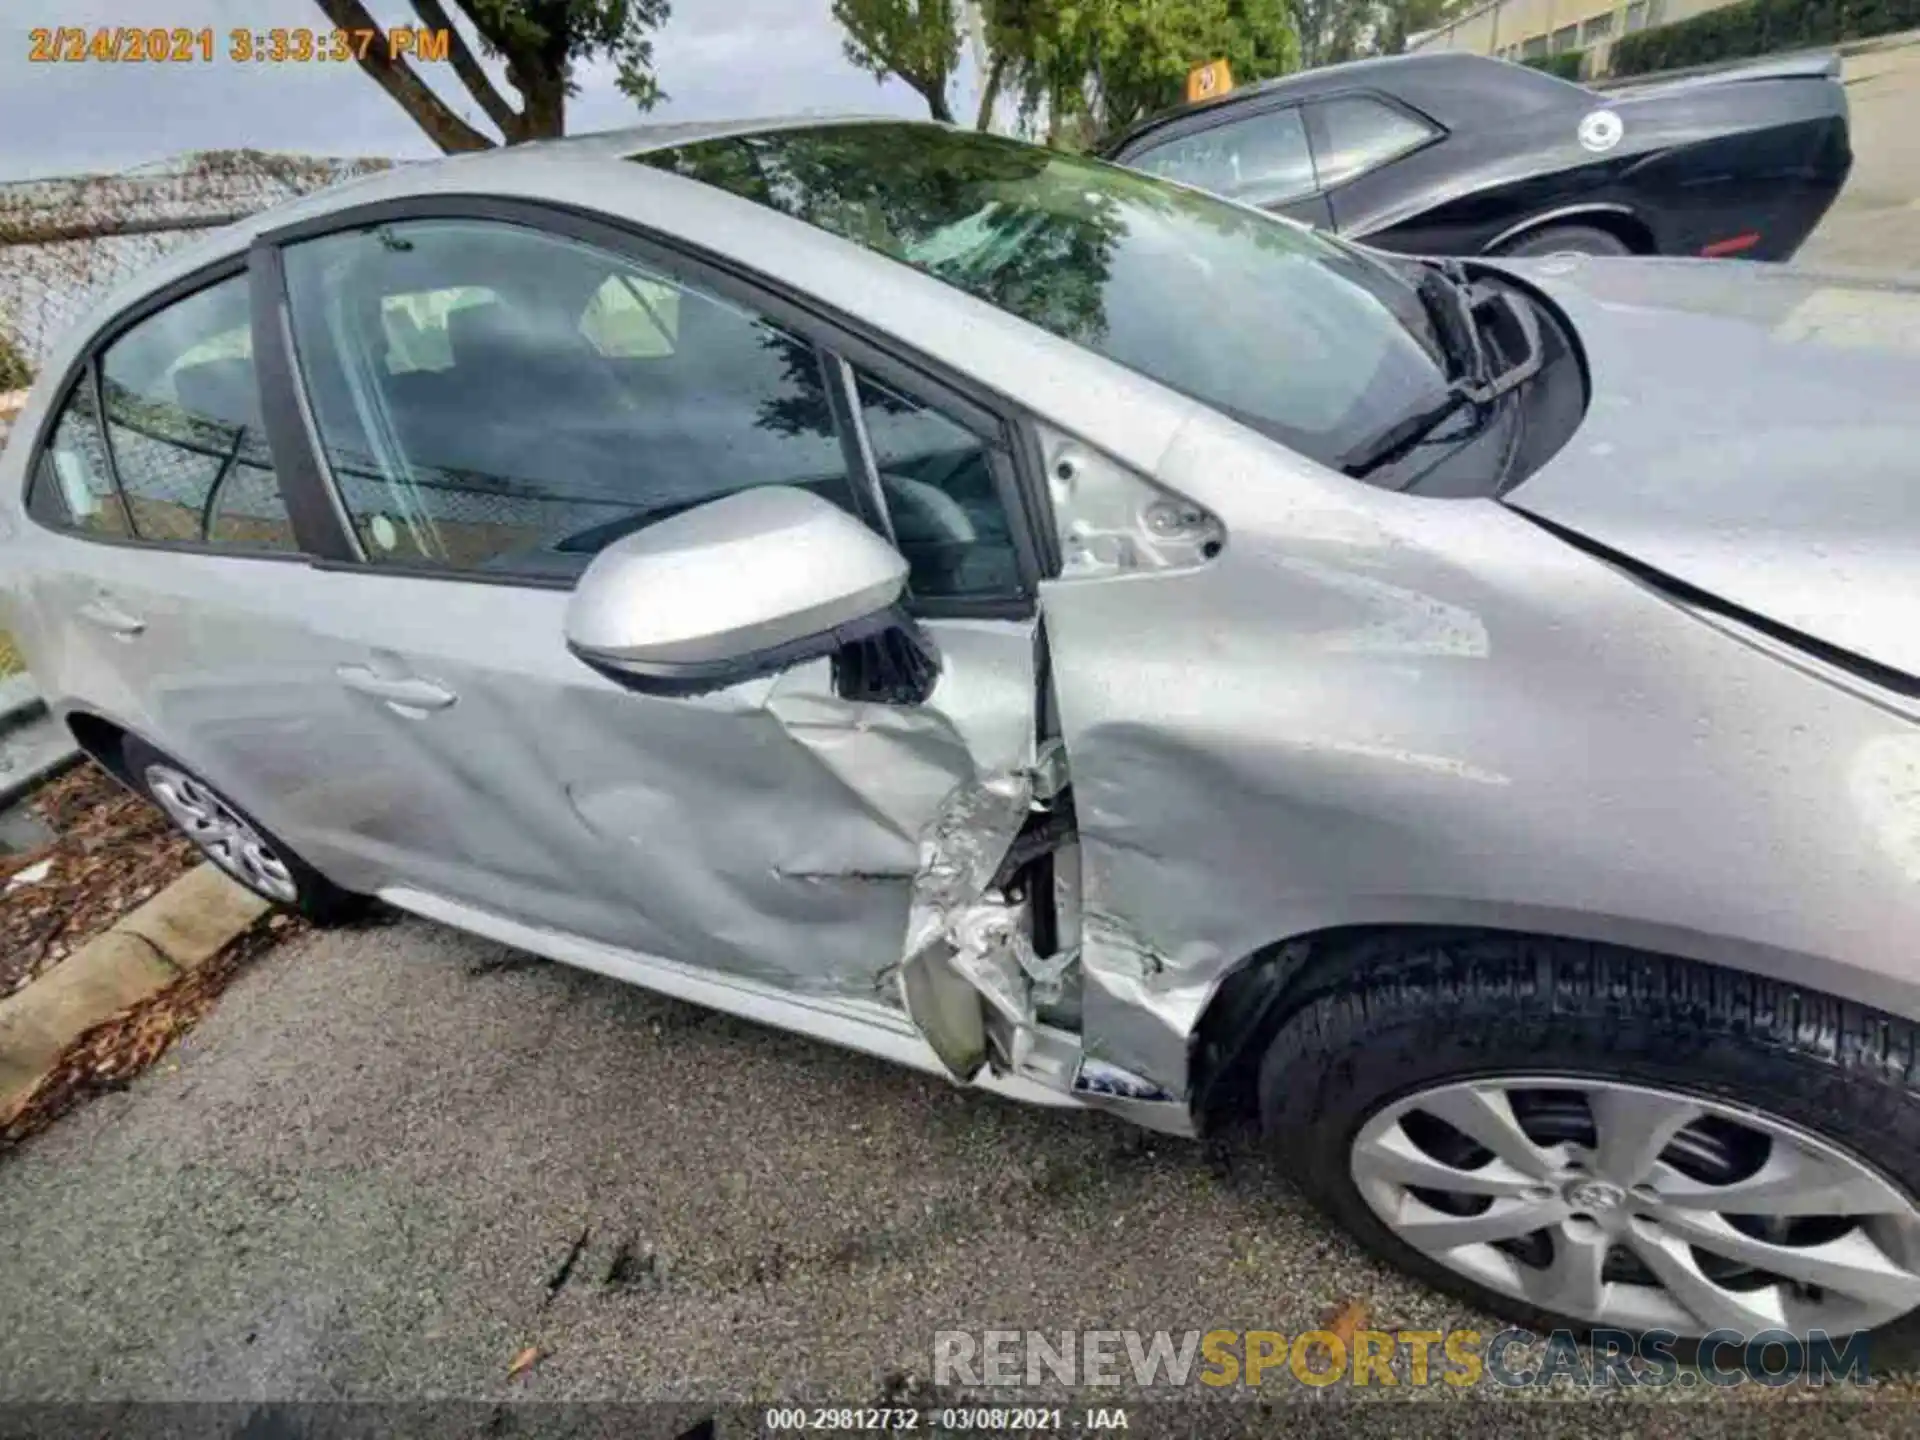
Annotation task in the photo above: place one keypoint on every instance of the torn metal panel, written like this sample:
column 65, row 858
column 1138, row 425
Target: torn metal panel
column 955, row 931
column 1113, row 521
column 963, row 924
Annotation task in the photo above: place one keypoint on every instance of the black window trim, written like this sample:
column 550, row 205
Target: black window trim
column 1011, row 449
column 85, row 368
column 1318, row 140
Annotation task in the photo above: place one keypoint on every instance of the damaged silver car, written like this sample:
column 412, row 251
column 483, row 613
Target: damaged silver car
column 1045, row 625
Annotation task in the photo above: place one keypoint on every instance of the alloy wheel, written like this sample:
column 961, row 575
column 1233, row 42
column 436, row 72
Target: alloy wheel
column 1640, row 1207
column 226, row 839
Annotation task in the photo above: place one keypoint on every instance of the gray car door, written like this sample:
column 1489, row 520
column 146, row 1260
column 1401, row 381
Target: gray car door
column 494, row 403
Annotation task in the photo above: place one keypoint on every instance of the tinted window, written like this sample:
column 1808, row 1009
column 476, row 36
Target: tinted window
column 183, row 419
column 1299, row 335
column 1362, row 133
column 939, row 486
column 494, row 397
column 73, row 487
column 1260, row 159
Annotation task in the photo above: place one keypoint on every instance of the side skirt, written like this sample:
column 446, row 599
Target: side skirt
column 863, row 1025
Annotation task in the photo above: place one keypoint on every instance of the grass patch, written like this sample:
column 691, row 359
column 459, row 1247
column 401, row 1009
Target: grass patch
column 10, row 661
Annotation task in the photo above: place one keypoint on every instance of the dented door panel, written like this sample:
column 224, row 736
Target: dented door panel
column 771, row 830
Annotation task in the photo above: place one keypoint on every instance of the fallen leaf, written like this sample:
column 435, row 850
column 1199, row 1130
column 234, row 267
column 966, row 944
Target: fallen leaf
column 1346, row 1319
column 31, row 874
column 524, row 1361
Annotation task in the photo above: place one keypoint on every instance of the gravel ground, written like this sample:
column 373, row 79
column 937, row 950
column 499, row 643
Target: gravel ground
column 108, row 851
column 396, row 1157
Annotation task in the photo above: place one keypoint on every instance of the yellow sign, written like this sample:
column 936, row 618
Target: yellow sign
column 1204, row 82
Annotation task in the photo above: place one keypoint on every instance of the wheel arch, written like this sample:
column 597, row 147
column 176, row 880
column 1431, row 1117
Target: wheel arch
column 1622, row 222
column 103, row 741
column 1254, row 998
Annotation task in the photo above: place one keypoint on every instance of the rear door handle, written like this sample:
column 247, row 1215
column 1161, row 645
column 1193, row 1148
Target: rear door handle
column 105, row 615
column 401, row 692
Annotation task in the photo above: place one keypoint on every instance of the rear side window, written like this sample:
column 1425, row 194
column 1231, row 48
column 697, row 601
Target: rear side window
column 1362, row 134
column 180, row 453
column 1262, row 159
column 183, row 420
column 73, row 485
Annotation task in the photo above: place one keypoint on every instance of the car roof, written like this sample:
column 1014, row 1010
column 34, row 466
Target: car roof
column 1432, row 83
column 492, row 170
column 590, row 174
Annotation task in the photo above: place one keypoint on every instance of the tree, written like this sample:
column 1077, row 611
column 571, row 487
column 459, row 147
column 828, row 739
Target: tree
column 916, row 40
column 1396, row 20
column 1088, row 65
column 542, row 41
column 1336, row 30
column 1098, row 65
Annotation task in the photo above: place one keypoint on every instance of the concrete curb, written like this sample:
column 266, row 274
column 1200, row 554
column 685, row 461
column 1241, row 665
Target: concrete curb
column 171, row 935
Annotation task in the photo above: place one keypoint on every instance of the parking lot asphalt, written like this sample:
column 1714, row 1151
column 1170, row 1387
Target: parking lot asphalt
column 396, row 1157
column 1875, row 224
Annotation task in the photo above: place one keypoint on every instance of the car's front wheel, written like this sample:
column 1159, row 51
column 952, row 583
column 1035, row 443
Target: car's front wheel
column 1580, row 1136
column 233, row 840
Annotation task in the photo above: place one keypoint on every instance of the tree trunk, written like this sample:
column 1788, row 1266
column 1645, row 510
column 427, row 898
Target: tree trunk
column 936, row 98
column 544, row 115
column 393, row 75
column 996, row 72
column 466, row 66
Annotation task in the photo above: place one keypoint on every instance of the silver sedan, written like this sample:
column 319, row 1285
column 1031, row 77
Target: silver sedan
column 1038, row 622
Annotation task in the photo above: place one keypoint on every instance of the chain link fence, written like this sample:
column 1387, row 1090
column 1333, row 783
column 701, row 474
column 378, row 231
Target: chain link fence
column 64, row 242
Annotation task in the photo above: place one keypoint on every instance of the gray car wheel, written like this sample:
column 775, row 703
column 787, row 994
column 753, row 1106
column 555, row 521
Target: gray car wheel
column 233, row 840
column 1579, row 1136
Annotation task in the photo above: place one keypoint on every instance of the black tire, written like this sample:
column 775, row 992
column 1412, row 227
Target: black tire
column 316, row 898
column 1396, row 1014
column 1568, row 240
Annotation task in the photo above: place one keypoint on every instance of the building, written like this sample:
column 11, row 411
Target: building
column 1533, row 29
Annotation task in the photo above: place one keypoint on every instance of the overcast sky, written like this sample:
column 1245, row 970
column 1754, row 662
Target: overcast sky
column 715, row 58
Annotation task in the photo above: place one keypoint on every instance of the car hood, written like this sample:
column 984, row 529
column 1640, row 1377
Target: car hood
column 1753, row 432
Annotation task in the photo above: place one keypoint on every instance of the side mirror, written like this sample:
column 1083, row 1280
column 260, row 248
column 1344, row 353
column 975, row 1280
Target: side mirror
column 743, row 586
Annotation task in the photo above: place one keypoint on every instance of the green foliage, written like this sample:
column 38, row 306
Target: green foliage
column 1758, row 27
column 565, row 33
column 1566, row 64
column 15, row 372
column 917, row 40
column 1090, row 65
column 1098, row 65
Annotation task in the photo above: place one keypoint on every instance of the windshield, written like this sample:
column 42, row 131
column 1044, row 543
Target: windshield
column 1308, row 340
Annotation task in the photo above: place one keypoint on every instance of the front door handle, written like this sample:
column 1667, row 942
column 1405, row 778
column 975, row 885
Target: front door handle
column 105, row 615
column 401, row 692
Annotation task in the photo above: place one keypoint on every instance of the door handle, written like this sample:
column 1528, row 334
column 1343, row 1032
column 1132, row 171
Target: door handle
column 103, row 614
column 402, row 692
